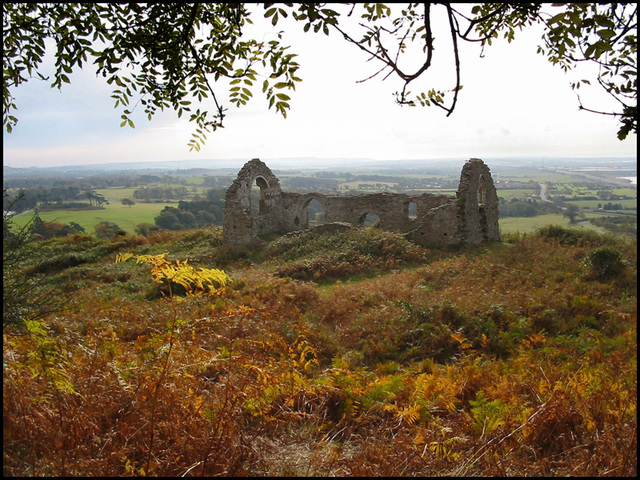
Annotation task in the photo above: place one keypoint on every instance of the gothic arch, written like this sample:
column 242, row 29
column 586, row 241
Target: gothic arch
column 239, row 225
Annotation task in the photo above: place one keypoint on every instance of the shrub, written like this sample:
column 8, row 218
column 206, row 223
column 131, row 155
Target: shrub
column 566, row 236
column 605, row 263
column 60, row 262
column 576, row 236
column 108, row 230
column 146, row 229
column 25, row 293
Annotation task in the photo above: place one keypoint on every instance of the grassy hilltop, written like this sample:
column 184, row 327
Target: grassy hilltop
column 349, row 354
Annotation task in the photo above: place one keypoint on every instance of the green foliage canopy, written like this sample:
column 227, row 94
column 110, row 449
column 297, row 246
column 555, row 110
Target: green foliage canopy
column 171, row 55
column 155, row 55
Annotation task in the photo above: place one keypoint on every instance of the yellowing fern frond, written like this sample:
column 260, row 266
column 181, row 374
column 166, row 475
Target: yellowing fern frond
column 458, row 337
column 166, row 272
column 410, row 414
column 123, row 257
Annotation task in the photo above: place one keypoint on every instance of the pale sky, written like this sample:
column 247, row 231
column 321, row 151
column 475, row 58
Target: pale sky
column 514, row 103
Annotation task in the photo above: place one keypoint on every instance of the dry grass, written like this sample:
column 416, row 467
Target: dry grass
column 506, row 360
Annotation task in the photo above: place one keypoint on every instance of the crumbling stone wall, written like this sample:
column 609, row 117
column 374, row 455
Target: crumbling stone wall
column 468, row 218
column 240, row 227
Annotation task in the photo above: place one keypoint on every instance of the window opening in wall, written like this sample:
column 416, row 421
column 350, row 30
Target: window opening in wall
column 412, row 210
column 257, row 196
column 482, row 191
column 315, row 213
column 370, row 220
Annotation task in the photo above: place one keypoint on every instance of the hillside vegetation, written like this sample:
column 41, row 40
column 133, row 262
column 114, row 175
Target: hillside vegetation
column 345, row 354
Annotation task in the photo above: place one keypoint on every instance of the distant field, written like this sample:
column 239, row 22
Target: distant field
column 575, row 190
column 125, row 217
column 631, row 203
column 529, row 224
column 520, row 193
column 195, row 180
column 626, row 204
column 116, row 194
column 524, row 175
column 356, row 184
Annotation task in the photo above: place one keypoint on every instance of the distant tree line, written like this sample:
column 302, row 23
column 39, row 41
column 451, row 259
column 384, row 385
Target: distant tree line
column 525, row 208
column 52, row 198
column 193, row 214
column 611, row 206
column 98, row 181
column 155, row 193
column 95, row 181
column 605, row 195
column 56, row 192
column 221, row 183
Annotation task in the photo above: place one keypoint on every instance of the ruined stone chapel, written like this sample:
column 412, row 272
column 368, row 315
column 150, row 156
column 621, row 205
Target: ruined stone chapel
column 468, row 218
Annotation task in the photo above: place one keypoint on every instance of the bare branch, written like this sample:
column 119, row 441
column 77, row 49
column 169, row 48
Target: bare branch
column 454, row 39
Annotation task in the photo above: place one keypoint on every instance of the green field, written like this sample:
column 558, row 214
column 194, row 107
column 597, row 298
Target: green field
column 116, row 194
column 520, row 193
column 539, row 176
column 529, row 224
column 626, row 204
column 574, row 189
column 125, row 217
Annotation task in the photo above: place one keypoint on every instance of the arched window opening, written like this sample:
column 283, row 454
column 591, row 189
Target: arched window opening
column 482, row 191
column 412, row 210
column 315, row 213
column 370, row 220
column 258, row 197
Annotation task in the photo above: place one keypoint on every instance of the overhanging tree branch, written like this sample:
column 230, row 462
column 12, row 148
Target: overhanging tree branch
column 155, row 50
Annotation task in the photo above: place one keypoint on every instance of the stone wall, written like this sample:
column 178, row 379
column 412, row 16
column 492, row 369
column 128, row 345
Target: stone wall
column 468, row 218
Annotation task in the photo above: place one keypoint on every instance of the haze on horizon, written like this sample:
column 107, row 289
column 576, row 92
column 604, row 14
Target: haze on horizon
column 514, row 103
